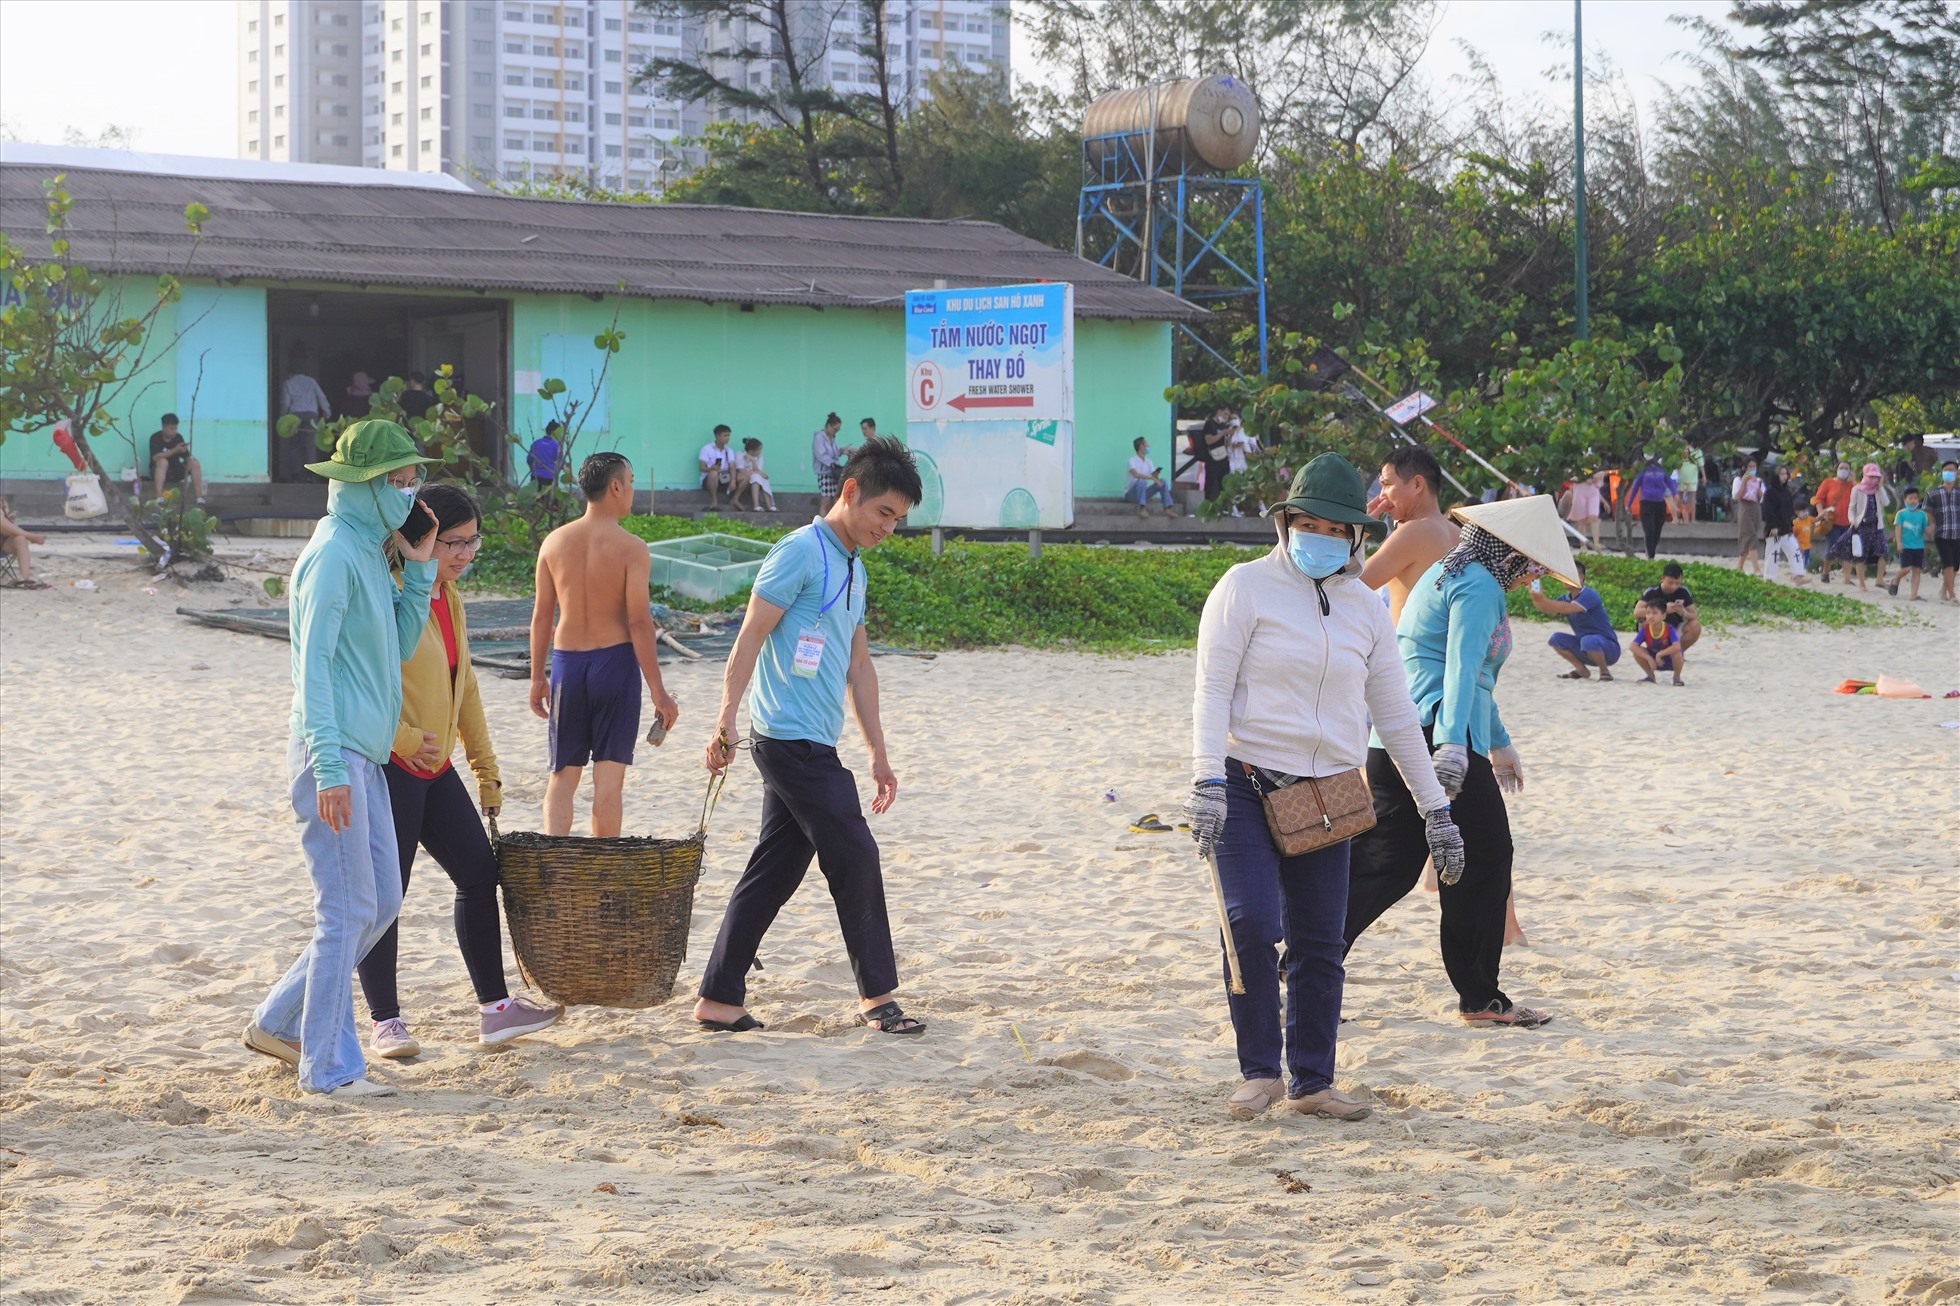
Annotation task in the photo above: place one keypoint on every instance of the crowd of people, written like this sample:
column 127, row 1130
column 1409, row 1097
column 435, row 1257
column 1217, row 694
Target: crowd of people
column 1866, row 526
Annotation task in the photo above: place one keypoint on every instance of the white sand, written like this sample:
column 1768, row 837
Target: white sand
column 1740, row 898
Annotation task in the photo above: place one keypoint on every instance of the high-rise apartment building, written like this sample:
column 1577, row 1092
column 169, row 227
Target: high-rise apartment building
column 517, row 88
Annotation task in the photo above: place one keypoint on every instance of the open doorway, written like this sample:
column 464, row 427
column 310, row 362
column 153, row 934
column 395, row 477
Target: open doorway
column 336, row 337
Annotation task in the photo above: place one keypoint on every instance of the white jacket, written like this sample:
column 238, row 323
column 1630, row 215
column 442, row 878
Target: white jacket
column 1287, row 689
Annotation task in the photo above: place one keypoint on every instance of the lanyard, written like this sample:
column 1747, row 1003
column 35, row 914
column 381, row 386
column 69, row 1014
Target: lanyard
column 850, row 562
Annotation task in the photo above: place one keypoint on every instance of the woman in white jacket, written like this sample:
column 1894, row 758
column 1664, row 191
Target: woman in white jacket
column 1294, row 656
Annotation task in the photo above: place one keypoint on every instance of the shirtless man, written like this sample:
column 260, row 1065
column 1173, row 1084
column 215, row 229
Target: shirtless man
column 593, row 574
column 1422, row 534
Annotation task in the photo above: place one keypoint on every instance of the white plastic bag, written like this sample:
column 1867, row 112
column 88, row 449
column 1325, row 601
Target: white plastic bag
column 85, row 497
column 1857, row 545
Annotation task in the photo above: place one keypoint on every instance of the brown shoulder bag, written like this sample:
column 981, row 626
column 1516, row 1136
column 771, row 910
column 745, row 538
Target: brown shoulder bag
column 1315, row 812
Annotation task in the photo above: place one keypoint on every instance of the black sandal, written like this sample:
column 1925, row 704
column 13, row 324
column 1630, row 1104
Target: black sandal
column 740, row 1025
column 891, row 1019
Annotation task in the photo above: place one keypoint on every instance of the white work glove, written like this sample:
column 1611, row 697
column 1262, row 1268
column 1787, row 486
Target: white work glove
column 1445, row 844
column 1509, row 769
column 1452, row 762
column 1205, row 810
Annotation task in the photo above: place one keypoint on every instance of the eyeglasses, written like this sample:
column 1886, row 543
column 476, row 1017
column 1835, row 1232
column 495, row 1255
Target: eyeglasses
column 412, row 482
column 470, row 545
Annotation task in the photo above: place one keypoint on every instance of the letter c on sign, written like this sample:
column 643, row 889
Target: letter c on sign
column 926, row 385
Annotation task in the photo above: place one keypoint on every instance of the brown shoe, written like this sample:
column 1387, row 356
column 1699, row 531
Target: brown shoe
column 1253, row 1097
column 1330, row 1101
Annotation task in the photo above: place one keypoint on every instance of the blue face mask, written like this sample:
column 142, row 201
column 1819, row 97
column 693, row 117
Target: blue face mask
column 1946, row 476
column 393, row 503
column 1319, row 556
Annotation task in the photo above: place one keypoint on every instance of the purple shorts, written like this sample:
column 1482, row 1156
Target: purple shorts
column 595, row 706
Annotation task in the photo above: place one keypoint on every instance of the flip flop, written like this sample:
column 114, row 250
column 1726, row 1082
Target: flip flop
column 742, row 1024
column 1575, row 675
column 1149, row 824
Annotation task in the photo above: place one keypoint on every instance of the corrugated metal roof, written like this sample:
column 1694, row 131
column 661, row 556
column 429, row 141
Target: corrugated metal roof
column 374, row 236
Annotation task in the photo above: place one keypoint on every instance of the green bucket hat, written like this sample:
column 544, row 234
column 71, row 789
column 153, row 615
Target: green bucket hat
column 1330, row 488
column 367, row 449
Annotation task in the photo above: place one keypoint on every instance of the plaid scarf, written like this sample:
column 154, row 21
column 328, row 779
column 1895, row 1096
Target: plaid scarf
column 1502, row 561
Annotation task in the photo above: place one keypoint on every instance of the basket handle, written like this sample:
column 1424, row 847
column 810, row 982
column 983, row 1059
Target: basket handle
column 708, row 804
column 712, row 798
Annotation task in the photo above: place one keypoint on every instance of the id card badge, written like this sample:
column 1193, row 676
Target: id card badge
column 809, row 653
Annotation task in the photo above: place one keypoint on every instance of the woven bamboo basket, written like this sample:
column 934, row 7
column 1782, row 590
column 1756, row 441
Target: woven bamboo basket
column 600, row 922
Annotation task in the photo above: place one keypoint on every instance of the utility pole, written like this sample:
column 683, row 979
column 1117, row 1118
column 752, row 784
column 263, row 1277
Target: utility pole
column 1582, row 325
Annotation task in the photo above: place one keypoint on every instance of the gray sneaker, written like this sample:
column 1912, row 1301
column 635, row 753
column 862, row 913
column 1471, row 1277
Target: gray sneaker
column 518, row 1018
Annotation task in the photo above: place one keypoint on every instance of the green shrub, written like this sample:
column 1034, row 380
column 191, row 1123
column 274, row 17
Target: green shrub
column 1136, row 600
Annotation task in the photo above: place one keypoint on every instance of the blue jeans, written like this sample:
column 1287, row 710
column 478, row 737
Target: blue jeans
column 1584, row 646
column 1302, row 903
column 357, row 893
column 1142, row 492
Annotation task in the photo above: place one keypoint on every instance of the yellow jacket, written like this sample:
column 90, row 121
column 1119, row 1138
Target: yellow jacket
column 430, row 702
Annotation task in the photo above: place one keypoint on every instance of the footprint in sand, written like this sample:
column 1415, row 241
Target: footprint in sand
column 1090, row 1064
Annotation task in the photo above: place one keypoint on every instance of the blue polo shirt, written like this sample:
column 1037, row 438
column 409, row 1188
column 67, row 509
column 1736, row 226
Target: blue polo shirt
column 820, row 587
column 1591, row 619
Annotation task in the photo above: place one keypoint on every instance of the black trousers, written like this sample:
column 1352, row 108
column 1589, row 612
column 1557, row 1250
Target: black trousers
column 1653, row 516
column 439, row 815
column 1387, row 861
column 809, row 808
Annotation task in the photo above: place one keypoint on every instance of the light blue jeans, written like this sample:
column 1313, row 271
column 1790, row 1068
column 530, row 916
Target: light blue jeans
column 357, row 893
column 1142, row 492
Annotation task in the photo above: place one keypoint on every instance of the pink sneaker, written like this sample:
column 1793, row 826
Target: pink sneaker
column 516, row 1019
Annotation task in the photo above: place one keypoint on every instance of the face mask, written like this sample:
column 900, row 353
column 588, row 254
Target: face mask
column 1946, row 476
column 1319, row 556
column 393, row 503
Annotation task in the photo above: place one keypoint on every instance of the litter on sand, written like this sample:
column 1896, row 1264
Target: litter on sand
column 1883, row 687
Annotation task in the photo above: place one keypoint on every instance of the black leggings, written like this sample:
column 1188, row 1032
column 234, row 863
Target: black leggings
column 1653, row 516
column 439, row 815
column 809, row 809
column 1385, row 863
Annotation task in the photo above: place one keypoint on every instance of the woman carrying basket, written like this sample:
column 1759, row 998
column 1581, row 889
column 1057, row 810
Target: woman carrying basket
column 431, row 807
column 1294, row 654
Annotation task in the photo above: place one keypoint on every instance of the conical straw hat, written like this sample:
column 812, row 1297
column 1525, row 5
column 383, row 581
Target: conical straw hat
column 1531, row 526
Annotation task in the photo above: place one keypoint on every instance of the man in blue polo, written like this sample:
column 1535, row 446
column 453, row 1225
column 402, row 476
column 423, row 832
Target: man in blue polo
column 1592, row 641
column 804, row 646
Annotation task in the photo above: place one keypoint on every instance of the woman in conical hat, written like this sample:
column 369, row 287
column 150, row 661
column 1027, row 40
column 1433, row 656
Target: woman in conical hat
column 1454, row 637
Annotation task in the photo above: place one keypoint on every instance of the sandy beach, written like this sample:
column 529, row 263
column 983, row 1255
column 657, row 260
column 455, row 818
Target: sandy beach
column 1740, row 898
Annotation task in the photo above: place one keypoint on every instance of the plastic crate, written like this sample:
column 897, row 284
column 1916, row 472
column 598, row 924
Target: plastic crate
column 707, row 567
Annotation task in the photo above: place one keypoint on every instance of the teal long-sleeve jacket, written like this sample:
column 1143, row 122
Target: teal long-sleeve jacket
column 1453, row 640
column 352, row 630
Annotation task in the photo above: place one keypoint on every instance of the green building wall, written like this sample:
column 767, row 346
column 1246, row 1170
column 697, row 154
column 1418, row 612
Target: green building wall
column 772, row 373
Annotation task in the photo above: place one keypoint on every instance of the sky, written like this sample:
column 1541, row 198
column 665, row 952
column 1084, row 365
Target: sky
column 167, row 68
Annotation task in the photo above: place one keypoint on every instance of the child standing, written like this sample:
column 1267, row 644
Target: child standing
column 1805, row 530
column 1657, row 644
column 1909, row 536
